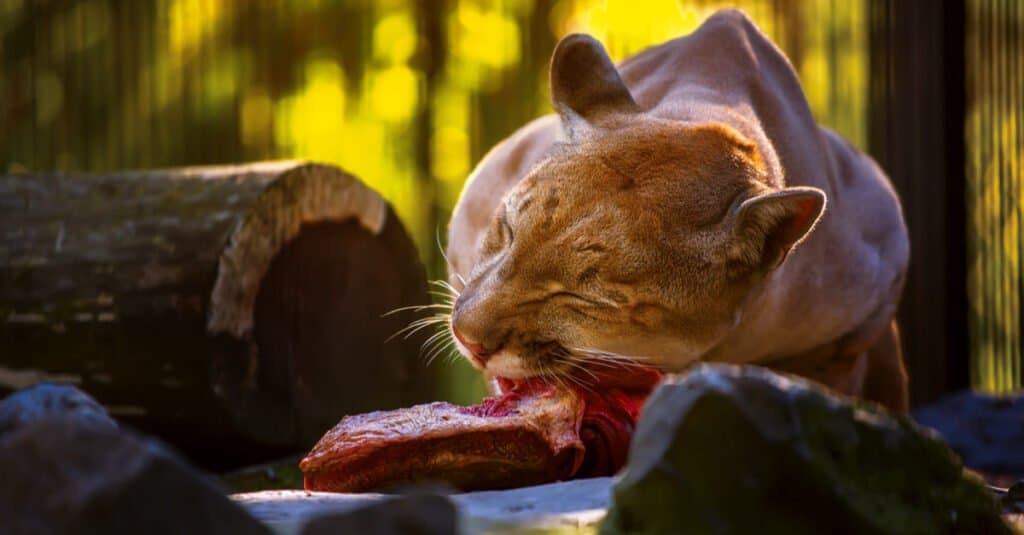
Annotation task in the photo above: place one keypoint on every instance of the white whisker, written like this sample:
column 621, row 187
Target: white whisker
column 433, row 338
column 447, row 297
column 445, row 285
column 608, row 356
column 428, row 356
column 579, row 381
column 417, row 325
column 416, row 308
column 447, row 347
column 453, row 356
column 577, row 364
column 447, row 262
column 439, row 342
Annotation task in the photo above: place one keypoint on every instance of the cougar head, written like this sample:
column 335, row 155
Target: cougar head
column 637, row 238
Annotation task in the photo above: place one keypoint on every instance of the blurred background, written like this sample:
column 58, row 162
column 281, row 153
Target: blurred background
column 409, row 95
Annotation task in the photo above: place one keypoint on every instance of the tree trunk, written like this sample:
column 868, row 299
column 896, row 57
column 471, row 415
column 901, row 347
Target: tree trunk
column 234, row 311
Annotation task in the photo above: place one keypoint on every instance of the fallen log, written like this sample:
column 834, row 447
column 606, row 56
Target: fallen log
column 234, row 311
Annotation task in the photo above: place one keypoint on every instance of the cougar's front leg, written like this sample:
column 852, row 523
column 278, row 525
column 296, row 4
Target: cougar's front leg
column 886, row 381
column 876, row 373
column 843, row 372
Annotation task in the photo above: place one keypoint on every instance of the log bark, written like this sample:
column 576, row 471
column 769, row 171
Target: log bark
column 234, row 311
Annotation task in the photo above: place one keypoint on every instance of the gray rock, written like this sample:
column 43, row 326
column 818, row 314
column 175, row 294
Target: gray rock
column 730, row 449
column 402, row 515
column 1012, row 498
column 986, row 431
column 69, row 476
column 565, row 505
column 45, row 400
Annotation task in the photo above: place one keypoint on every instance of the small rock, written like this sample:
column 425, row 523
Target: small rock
column 1013, row 500
column 729, row 449
column 1016, row 491
column 986, row 431
column 413, row 515
column 45, row 400
column 69, row 476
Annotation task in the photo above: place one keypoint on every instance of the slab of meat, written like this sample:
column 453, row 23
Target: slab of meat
column 534, row 432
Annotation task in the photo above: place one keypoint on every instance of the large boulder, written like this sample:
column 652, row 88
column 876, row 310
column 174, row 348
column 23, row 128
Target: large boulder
column 729, row 449
column 67, row 475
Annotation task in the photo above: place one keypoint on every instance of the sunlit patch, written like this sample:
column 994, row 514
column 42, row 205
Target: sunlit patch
column 192, row 22
column 395, row 38
column 394, row 93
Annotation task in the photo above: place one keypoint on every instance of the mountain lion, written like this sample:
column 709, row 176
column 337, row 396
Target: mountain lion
column 681, row 207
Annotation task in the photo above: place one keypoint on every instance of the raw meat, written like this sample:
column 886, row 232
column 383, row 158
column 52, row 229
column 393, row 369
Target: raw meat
column 534, row 432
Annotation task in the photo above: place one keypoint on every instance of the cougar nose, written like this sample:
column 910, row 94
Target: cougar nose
column 476, row 348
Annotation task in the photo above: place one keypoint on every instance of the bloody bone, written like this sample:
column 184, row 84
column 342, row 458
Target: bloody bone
column 534, row 432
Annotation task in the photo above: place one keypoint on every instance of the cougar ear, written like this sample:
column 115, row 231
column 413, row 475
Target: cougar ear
column 768, row 226
column 585, row 84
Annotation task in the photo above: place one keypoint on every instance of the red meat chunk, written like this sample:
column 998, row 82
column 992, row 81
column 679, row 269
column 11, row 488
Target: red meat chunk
column 534, row 432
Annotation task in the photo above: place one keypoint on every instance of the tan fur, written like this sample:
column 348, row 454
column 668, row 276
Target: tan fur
column 678, row 221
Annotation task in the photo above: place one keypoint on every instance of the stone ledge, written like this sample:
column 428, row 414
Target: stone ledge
column 569, row 504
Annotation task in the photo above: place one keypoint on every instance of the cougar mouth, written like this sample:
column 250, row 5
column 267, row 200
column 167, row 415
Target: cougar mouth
column 610, row 401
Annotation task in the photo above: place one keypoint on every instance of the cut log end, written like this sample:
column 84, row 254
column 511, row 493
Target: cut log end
column 317, row 351
column 303, row 289
column 305, row 194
